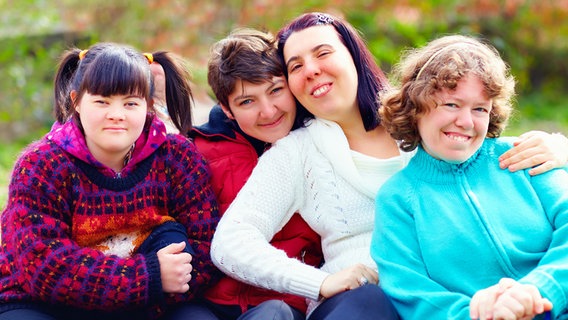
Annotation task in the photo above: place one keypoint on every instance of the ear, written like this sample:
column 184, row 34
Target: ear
column 227, row 112
column 73, row 96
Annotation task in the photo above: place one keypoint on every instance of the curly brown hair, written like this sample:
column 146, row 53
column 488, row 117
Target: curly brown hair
column 441, row 64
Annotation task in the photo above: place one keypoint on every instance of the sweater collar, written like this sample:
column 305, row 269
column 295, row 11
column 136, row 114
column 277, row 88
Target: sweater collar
column 439, row 171
column 69, row 137
column 330, row 140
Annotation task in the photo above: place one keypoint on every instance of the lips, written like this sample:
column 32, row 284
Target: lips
column 115, row 129
column 273, row 123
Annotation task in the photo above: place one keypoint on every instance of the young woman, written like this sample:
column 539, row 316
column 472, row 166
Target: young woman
column 91, row 227
column 456, row 237
column 328, row 171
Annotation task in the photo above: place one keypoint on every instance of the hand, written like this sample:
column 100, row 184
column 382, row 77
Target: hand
column 521, row 301
column 347, row 279
column 175, row 268
column 537, row 149
column 483, row 301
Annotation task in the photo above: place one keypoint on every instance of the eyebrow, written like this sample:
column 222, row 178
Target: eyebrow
column 275, row 83
column 314, row 49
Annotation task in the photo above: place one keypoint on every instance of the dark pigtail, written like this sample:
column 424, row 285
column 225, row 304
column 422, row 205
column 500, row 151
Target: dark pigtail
column 68, row 65
column 179, row 98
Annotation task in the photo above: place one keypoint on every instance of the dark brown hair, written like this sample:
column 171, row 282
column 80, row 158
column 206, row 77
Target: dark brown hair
column 111, row 69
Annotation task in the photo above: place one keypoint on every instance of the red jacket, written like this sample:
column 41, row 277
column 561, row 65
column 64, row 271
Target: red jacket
column 231, row 156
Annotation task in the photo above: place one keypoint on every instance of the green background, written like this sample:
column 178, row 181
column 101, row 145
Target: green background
column 532, row 37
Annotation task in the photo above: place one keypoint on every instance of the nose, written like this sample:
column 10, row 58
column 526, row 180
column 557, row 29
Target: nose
column 267, row 108
column 464, row 118
column 311, row 69
column 115, row 112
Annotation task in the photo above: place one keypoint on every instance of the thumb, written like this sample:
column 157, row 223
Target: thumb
column 547, row 305
column 173, row 248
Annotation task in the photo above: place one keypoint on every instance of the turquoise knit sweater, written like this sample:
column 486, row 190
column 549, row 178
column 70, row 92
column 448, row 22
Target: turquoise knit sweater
column 444, row 231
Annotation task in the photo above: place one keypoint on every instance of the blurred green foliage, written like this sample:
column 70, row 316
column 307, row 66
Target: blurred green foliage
column 531, row 35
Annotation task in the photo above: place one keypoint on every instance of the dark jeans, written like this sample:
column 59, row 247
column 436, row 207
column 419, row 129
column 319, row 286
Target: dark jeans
column 47, row 312
column 367, row 302
column 205, row 310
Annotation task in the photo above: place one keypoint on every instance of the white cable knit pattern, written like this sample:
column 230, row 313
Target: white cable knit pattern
column 310, row 171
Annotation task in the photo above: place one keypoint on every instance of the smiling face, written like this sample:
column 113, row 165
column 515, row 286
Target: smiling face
column 321, row 73
column 264, row 111
column 111, row 124
column 455, row 129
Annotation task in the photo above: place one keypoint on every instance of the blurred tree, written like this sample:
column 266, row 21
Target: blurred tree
column 530, row 34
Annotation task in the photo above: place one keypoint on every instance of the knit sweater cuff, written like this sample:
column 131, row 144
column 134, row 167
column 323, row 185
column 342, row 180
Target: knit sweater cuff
column 308, row 283
column 155, row 291
column 549, row 288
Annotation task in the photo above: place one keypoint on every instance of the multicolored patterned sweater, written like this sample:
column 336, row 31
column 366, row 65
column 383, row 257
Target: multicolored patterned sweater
column 63, row 204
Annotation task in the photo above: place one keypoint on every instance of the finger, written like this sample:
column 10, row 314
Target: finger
column 372, row 276
column 530, row 161
column 173, row 248
column 508, row 307
column 473, row 307
column 547, row 305
column 521, row 146
column 531, row 134
column 486, row 302
column 542, row 168
column 504, row 284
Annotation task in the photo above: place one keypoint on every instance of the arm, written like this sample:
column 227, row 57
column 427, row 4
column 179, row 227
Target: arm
column 193, row 204
column 551, row 275
column 536, row 149
column 241, row 245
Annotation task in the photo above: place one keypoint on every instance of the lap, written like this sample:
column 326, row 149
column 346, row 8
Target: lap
column 366, row 302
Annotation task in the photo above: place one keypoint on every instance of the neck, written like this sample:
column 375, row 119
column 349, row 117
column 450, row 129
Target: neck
column 376, row 143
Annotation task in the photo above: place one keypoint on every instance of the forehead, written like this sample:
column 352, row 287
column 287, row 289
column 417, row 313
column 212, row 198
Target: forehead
column 470, row 87
column 244, row 87
column 300, row 42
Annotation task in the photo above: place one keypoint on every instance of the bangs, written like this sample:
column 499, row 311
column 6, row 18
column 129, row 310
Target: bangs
column 116, row 73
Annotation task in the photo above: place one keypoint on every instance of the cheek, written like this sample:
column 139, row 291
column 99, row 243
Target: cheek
column 287, row 103
column 294, row 84
column 245, row 118
column 482, row 126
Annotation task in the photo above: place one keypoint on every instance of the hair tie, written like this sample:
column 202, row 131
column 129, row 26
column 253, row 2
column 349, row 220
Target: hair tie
column 82, row 54
column 149, row 56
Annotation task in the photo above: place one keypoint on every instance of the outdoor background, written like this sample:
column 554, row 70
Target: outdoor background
column 532, row 36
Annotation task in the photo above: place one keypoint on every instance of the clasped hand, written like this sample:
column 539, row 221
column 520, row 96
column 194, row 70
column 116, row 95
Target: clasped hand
column 508, row 299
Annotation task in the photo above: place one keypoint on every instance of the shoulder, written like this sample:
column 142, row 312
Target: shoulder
column 499, row 144
column 43, row 154
column 180, row 149
column 296, row 138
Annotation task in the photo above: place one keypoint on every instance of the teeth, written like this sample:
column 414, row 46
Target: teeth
column 458, row 138
column 320, row 91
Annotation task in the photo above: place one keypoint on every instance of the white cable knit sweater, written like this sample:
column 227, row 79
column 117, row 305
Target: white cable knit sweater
column 310, row 171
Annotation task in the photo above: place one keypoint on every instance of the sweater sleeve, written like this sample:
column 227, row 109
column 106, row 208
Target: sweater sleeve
column 267, row 201
column 403, row 273
column 194, row 205
column 551, row 274
column 44, row 262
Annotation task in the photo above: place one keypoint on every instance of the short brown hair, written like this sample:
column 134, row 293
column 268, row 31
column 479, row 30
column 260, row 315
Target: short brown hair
column 246, row 55
column 441, row 64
